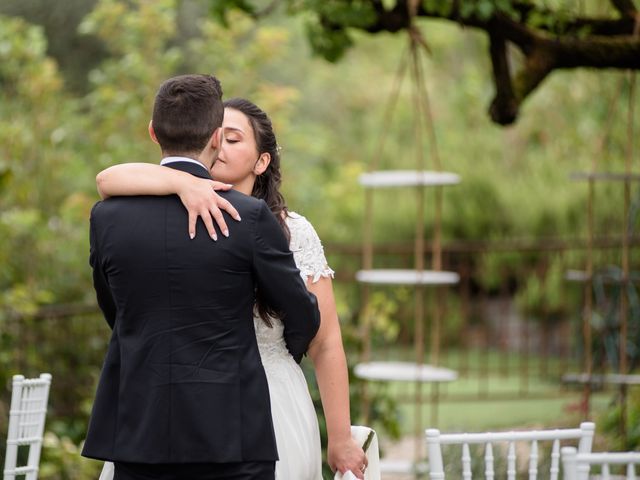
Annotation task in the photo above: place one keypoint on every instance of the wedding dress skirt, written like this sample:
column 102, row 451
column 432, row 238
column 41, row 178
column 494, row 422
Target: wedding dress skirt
column 294, row 417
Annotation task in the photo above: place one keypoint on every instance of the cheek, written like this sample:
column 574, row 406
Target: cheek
column 240, row 158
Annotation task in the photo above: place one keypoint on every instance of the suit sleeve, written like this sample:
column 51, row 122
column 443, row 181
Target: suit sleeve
column 282, row 286
column 100, row 282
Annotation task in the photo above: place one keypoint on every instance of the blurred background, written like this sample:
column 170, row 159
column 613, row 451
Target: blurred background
column 77, row 82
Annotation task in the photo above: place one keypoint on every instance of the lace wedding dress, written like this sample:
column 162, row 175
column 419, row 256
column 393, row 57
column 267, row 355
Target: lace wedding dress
column 294, row 417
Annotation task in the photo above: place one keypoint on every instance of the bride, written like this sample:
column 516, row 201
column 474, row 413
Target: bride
column 249, row 160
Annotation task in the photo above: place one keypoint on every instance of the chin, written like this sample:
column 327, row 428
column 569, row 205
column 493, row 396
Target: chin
column 218, row 175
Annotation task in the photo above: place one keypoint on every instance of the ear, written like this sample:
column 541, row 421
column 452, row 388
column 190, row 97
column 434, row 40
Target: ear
column 152, row 133
column 263, row 162
column 216, row 139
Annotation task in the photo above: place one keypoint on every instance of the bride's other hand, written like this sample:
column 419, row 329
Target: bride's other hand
column 347, row 455
column 199, row 197
column 327, row 354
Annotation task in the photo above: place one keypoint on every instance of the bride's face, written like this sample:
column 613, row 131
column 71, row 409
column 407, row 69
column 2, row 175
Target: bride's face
column 238, row 154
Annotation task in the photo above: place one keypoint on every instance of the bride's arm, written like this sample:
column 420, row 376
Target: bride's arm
column 197, row 194
column 328, row 357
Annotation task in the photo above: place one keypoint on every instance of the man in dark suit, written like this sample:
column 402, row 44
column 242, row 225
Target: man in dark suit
column 183, row 394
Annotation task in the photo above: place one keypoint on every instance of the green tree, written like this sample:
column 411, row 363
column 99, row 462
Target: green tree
column 549, row 35
column 53, row 143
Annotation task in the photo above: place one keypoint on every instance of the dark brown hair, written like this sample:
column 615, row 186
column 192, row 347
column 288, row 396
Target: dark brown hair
column 186, row 112
column 267, row 185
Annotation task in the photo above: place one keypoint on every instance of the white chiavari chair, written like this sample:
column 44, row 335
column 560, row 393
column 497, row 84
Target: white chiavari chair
column 577, row 465
column 27, row 413
column 508, row 441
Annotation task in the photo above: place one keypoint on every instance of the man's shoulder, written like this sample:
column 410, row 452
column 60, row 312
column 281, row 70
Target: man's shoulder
column 114, row 205
column 242, row 202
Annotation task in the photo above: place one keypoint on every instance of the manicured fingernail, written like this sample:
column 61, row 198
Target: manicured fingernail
column 192, row 235
column 237, row 217
column 225, row 233
column 215, row 237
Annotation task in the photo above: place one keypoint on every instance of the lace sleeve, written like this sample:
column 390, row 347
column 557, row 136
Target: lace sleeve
column 307, row 249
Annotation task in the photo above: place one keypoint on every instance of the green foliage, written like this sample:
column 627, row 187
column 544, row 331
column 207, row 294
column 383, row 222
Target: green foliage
column 53, row 144
column 329, row 44
column 328, row 24
column 329, row 119
column 35, row 119
column 75, row 55
column 381, row 310
column 220, row 9
column 438, row 7
column 606, row 319
column 611, row 422
column 62, row 460
column 543, row 298
column 483, row 9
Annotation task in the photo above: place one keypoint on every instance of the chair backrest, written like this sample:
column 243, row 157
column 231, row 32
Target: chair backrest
column 26, row 424
column 576, row 465
column 435, row 440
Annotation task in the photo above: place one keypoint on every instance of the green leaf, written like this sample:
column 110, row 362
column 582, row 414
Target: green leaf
column 329, row 44
column 467, row 9
column 485, row 9
column 219, row 9
column 5, row 177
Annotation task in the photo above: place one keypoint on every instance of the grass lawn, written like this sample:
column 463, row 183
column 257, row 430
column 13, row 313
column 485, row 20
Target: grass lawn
column 478, row 414
column 505, row 414
column 490, row 397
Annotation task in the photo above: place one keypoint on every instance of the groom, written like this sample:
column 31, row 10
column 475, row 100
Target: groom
column 183, row 394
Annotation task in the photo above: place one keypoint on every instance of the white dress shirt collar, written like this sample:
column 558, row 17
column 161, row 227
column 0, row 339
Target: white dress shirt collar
column 168, row 160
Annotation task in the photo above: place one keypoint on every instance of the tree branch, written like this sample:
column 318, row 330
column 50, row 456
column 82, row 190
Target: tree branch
column 579, row 42
column 625, row 7
column 504, row 107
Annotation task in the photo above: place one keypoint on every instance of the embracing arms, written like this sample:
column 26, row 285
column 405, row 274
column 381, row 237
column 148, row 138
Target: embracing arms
column 280, row 282
column 197, row 194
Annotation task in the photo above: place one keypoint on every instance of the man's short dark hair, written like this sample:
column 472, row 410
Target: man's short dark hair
column 186, row 112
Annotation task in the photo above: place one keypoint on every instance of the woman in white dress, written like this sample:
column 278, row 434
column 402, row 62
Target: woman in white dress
column 249, row 160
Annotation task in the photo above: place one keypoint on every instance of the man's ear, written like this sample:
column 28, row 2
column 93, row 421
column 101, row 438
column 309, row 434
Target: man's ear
column 216, row 139
column 152, row 133
column 263, row 162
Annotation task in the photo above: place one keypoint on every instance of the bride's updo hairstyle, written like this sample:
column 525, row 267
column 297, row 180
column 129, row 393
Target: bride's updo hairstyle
column 267, row 185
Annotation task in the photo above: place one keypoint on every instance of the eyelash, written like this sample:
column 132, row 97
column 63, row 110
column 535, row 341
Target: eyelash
column 232, row 141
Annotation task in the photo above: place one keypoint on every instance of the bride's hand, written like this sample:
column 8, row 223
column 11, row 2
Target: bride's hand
column 200, row 199
column 347, row 455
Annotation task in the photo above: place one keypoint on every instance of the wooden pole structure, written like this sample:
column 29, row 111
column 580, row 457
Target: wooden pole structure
column 367, row 246
column 419, row 264
column 624, row 299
